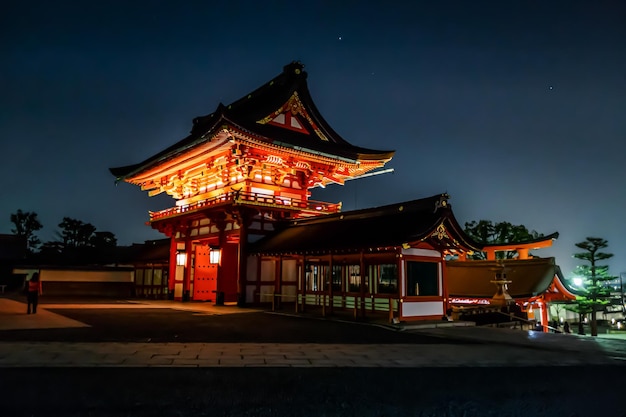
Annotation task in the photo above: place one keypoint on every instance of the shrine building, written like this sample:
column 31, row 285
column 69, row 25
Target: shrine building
column 244, row 229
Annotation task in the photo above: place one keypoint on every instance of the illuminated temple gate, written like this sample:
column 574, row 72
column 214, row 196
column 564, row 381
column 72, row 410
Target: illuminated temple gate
column 244, row 230
column 242, row 168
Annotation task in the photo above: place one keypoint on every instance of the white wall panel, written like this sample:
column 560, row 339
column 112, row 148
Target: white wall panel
column 417, row 309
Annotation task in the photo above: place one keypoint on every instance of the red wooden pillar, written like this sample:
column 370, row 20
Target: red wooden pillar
column 444, row 286
column 363, row 286
column 171, row 280
column 278, row 282
column 220, row 223
column 303, row 282
column 257, row 286
column 244, row 219
column 242, row 268
column 187, row 276
column 402, row 284
column 330, row 285
column 544, row 315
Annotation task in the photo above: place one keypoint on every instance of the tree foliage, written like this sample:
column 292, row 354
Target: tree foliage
column 79, row 243
column 595, row 293
column 76, row 234
column 488, row 233
column 26, row 224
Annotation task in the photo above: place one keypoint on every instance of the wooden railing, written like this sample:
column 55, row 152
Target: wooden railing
column 307, row 206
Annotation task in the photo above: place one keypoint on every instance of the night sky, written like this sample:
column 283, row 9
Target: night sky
column 514, row 108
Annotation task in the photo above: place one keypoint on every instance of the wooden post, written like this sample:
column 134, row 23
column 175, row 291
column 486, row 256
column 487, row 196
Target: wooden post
column 330, row 285
column 363, row 286
column 278, row 277
column 187, row 275
column 171, row 277
column 304, row 283
column 244, row 219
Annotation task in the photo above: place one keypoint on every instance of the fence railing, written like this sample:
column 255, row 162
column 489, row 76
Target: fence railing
column 309, row 206
column 359, row 304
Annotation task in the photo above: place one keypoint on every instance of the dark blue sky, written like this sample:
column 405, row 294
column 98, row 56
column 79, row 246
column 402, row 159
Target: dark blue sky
column 515, row 108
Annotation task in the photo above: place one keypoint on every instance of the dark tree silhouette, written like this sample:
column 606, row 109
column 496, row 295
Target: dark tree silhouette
column 80, row 243
column 26, row 224
column 487, row 232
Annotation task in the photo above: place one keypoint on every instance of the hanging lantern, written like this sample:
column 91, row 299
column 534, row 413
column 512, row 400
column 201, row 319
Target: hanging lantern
column 215, row 254
column 181, row 259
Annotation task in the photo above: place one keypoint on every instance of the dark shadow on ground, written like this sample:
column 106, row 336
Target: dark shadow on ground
column 166, row 325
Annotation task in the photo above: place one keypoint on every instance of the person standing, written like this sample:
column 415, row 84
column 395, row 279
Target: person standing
column 32, row 297
column 566, row 328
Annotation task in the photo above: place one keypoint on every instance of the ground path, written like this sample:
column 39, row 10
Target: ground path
column 125, row 358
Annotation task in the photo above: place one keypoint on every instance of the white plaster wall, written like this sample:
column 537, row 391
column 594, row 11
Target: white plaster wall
column 426, row 308
column 290, row 292
column 28, row 272
column 86, row 276
column 250, row 289
column 266, row 293
column 290, row 270
column 268, row 269
column 421, row 252
column 251, row 268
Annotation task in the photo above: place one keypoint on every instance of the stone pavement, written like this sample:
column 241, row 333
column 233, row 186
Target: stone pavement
column 489, row 348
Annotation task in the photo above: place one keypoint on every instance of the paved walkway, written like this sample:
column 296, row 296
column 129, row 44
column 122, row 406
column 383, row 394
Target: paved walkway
column 491, row 347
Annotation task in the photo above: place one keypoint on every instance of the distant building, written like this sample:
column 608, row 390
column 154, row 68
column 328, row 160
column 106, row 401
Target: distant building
column 13, row 250
column 150, row 262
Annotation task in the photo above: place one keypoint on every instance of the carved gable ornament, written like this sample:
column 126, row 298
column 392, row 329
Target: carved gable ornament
column 290, row 115
column 440, row 233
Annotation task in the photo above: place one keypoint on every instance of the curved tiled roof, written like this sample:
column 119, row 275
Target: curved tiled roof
column 472, row 279
column 252, row 115
column 378, row 227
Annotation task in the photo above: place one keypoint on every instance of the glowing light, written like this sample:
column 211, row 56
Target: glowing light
column 578, row 281
column 469, row 301
column 214, row 255
column 181, row 259
column 273, row 159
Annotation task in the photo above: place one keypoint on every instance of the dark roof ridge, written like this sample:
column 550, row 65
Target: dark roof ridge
column 293, row 70
column 182, row 145
column 436, row 201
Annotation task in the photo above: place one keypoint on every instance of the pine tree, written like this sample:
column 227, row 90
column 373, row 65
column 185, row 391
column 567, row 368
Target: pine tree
column 596, row 294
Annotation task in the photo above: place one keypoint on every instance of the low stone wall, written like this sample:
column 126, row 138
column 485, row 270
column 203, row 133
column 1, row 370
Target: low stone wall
column 82, row 281
column 91, row 289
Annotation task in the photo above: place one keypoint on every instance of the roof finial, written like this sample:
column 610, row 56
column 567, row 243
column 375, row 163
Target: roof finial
column 295, row 67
